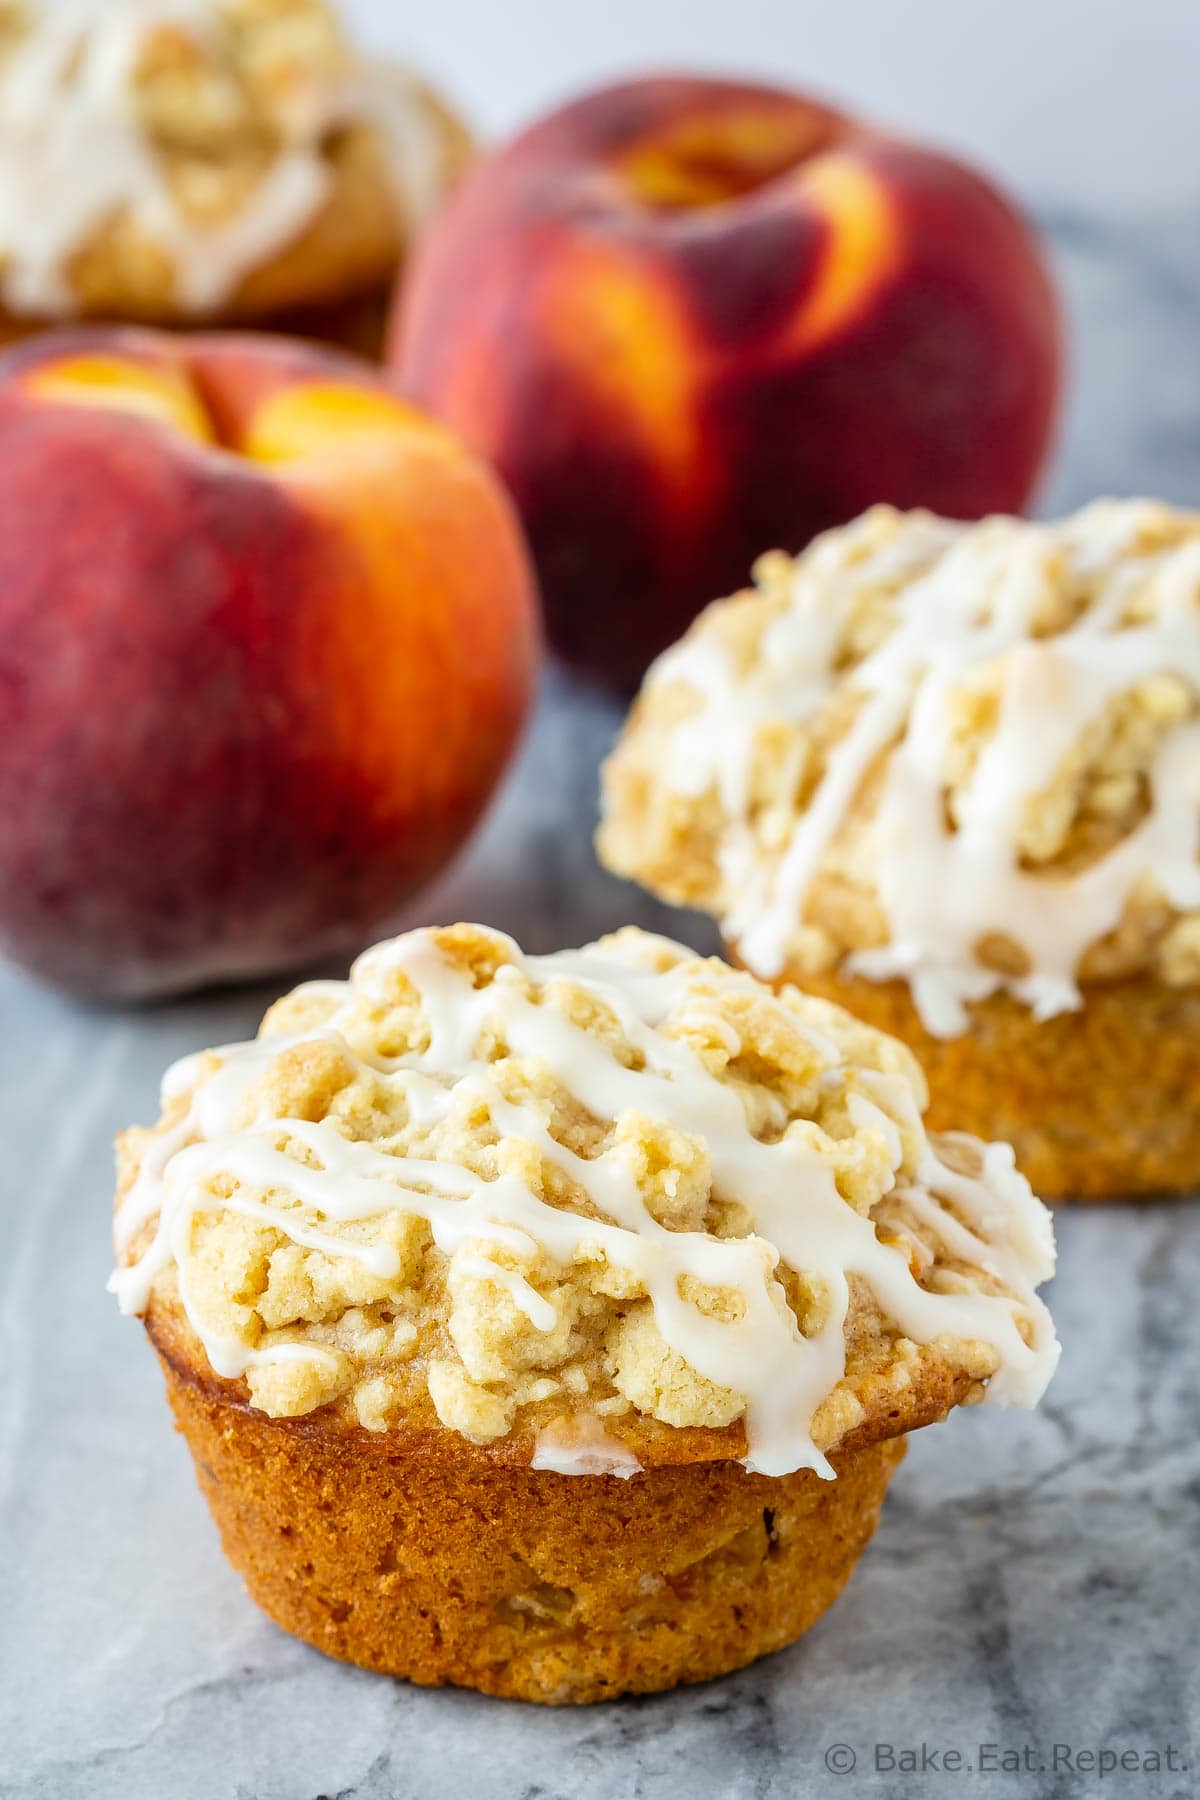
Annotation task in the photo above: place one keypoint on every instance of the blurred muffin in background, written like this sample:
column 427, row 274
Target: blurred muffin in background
column 948, row 775
column 217, row 161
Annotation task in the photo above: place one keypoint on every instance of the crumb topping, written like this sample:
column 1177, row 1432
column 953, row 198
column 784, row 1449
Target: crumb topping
column 550, row 1192
column 965, row 756
column 189, row 140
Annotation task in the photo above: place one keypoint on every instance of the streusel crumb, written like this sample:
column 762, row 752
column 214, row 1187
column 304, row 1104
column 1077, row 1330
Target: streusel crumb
column 1033, row 691
column 221, row 153
column 461, row 1179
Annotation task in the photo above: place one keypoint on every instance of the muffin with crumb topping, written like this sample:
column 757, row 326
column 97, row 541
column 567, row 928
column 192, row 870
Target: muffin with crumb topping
column 949, row 775
column 552, row 1325
column 173, row 161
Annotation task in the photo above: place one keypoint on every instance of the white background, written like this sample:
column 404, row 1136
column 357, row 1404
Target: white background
column 1088, row 102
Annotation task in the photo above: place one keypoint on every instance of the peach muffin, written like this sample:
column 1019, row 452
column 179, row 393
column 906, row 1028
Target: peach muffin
column 552, row 1325
column 949, row 775
column 166, row 161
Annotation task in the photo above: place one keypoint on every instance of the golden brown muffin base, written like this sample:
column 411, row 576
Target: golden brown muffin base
column 357, row 323
column 1102, row 1103
column 446, row 1569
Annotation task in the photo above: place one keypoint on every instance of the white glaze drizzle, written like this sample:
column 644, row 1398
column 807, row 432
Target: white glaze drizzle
column 786, row 1185
column 73, row 156
column 579, row 1445
column 966, row 603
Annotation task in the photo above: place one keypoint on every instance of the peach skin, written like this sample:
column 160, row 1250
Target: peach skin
column 269, row 636
column 689, row 319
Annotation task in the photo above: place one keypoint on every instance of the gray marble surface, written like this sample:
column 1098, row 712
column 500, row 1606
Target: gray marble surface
column 1035, row 1581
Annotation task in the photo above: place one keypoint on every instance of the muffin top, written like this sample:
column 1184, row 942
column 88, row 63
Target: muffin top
column 614, row 1205
column 965, row 756
column 163, row 150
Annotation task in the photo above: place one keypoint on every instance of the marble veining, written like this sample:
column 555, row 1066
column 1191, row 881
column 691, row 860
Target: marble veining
column 1035, row 1581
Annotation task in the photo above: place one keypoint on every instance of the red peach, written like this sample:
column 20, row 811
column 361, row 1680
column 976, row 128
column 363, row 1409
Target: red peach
column 689, row 320
column 267, row 638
